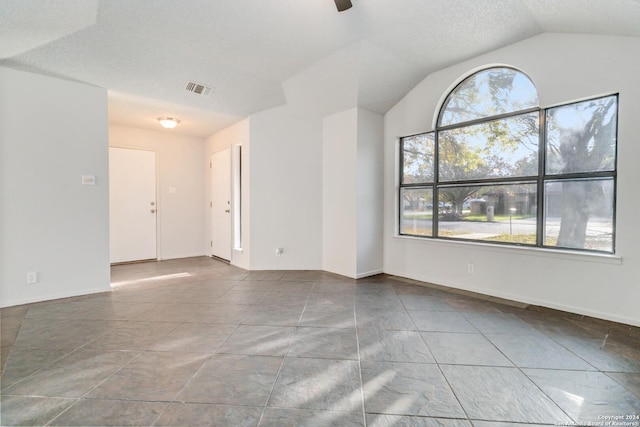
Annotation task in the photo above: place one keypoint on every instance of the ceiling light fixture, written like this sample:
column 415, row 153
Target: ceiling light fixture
column 168, row 122
column 343, row 5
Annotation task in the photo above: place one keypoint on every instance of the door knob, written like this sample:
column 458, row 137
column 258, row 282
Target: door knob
column 227, row 210
column 153, row 211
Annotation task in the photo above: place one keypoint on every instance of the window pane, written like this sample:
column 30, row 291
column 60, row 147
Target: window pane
column 582, row 137
column 417, row 211
column 499, row 148
column 579, row 214
column 488, row 93
column 499, row 213
column 417, row 158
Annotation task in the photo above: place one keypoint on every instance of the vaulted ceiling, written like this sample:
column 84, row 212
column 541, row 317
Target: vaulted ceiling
column 259, row 54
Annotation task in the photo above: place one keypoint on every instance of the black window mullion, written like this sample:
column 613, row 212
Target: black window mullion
column 615, row 178
column 402, row 186
column 489, row 119
column 435, row 209
column 400, row 180
column 542, row 157
column 488, row 181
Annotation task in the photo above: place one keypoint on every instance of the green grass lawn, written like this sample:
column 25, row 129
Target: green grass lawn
column 526, row 239
column 418, row 216
column 469, row 217
column 496, row 218
column 522, row 239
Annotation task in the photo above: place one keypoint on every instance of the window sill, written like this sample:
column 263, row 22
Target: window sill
column 521, row 250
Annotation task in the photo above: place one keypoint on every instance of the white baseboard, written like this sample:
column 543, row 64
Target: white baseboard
column 49, row 297
column 369, row 274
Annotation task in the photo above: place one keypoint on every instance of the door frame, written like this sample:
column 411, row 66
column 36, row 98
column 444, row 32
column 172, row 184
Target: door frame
column 158, row 213
column 229, row 193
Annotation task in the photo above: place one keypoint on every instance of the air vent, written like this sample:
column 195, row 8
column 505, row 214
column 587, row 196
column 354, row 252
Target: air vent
column 198, row 89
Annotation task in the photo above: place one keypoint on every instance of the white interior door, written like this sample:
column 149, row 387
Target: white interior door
column 132, row 204
column 221, row 204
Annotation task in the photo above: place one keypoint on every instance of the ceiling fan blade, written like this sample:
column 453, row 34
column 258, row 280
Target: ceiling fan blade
column 343, row 5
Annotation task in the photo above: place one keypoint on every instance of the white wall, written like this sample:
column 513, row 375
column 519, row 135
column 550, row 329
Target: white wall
column 340, row 160
column 52, row 132
column 181, row 216
column 352, row 193
column 286, row 190
column 370, row 194
column 564, row 68
column 238, row 134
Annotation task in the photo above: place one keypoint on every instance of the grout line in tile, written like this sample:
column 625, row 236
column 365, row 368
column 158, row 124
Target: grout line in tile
column 364, row 410
column 445, row 378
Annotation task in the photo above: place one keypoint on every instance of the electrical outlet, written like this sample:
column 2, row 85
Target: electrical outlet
column 471, row 268
column 32, row 277
column 279, row 251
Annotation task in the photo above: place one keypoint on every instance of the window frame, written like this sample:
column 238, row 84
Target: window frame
column 540, row 180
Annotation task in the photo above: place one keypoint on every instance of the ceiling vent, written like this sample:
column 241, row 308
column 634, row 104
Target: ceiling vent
column 198, row 89
column 343, row 5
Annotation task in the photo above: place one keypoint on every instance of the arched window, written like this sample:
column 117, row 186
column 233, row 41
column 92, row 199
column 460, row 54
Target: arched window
column 489, row 93
column 498, row 168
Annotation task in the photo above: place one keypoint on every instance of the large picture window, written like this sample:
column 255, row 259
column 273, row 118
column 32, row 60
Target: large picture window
column 498, row 168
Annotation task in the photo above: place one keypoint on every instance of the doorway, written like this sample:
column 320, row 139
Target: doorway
column 221, row 204
column 132, row 205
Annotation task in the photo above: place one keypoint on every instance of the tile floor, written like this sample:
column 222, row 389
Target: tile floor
column 198, row 342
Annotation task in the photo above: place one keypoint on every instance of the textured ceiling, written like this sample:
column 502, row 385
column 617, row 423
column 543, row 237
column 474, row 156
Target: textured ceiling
column 259, row 54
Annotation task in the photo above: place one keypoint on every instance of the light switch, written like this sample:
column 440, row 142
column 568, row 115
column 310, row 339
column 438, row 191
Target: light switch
column 88, row 180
